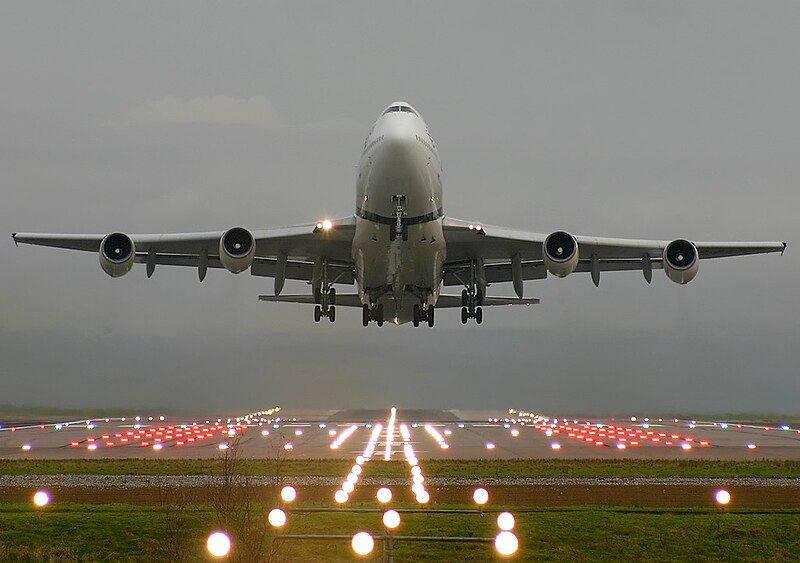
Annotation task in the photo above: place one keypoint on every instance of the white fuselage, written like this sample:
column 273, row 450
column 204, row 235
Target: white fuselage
column 399, row 247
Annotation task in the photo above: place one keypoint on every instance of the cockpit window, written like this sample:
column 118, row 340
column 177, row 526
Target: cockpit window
column 399, row 108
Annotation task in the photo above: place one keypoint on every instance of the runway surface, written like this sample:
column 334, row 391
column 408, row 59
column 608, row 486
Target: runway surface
column 428, row 434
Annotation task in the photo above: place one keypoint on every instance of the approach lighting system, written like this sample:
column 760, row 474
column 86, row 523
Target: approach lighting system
column 276, row 518
column 391, row 519
column 41, row 498
column 363, row 543
column 506, row 543
column 722, row 497
column 384, row 495
column 505, row 521
column 288, row 493
column 480, row 496
column 218, row 544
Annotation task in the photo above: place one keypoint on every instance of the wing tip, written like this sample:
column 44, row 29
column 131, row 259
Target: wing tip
column 14, row 236
column 784, row 247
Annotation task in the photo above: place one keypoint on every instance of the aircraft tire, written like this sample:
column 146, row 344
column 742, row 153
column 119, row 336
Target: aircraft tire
column 479, row 315
column 463, row 315
column 431, row 317
column 317, row 313
column 332, row 314
column 332, row 296
column 365, row 315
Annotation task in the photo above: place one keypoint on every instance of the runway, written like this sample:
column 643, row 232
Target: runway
column 431, row 434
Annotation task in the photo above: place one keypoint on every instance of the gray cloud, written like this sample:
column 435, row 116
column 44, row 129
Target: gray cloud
column 211, row 110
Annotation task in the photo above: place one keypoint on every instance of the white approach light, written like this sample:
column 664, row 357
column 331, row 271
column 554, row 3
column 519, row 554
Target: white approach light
column 555, row 446
column 41, row 498
column 423, row 497
column 363, row 543
column 506, row 543
column 415, row 470
column 722, row 497
column 505, row 521
column 218, row 544
column 384, row 495
column 348, row 487
column 391, row 519
column 340, row 496
column 276, row 518
column 288, row 493
column 480, row 496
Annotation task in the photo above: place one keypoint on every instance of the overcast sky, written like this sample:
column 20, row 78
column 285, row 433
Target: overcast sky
column 631, row 119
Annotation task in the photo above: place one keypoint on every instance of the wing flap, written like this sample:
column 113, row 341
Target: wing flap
column 342, row 299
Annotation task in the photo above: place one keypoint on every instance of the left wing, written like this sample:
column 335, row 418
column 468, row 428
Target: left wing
column 287, row 252
column 354, row 300
column 508, row 255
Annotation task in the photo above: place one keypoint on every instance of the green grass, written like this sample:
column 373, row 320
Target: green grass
column 122, row 533
column 437, row 468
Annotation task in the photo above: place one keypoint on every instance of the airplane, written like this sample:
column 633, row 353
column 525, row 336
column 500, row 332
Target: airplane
column 398, row 248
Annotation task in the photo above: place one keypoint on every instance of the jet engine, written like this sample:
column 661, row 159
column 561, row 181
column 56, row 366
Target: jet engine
column 237, row 248
column 117, row 253
column 681, row 261
column 560, row 250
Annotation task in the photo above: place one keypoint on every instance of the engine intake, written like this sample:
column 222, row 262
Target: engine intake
column 681, row 261
column 117, row 253
column 237, row 248
column 560, row 250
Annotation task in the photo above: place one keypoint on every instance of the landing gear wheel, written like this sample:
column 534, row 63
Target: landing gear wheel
column 464, row 298
column 415, row 319
column 332, row 313
column 392, row 233
column 365, row 315
column 479, row 315
column 480, row 297
column 317, row 313
column 379, row 314
column 332, row 296
column 405, row 233
column 463, row 315
column 431, row 317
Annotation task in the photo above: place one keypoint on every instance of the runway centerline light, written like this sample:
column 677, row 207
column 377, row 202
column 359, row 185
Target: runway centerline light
column 480, row 496
column 363, row 543
column 41, row 498
column 391, row 519
column 218, row 544
column 288, row 493
column 276, row 518
column 384, row 495
column 506, row 543
column 505, row 521
column 722, row 497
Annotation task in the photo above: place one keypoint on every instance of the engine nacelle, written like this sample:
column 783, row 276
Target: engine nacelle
column 237, row 248
column 560, row 250
column 681, row 261
column 117, row 253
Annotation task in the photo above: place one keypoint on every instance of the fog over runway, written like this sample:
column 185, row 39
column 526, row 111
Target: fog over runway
column 389, row 435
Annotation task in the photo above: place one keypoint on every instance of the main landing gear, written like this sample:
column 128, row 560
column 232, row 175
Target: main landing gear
column 471, row 302
column 423, row 314
column 372, row 312
column 325, row 305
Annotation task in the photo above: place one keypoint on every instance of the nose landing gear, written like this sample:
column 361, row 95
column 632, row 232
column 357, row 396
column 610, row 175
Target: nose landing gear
column 325, row 305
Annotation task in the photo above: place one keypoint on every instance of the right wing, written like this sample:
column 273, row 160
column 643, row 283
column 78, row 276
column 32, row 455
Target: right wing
column 301, row 246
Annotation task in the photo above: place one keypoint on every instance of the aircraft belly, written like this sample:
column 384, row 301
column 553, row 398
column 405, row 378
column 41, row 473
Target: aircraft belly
column 398, row 265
